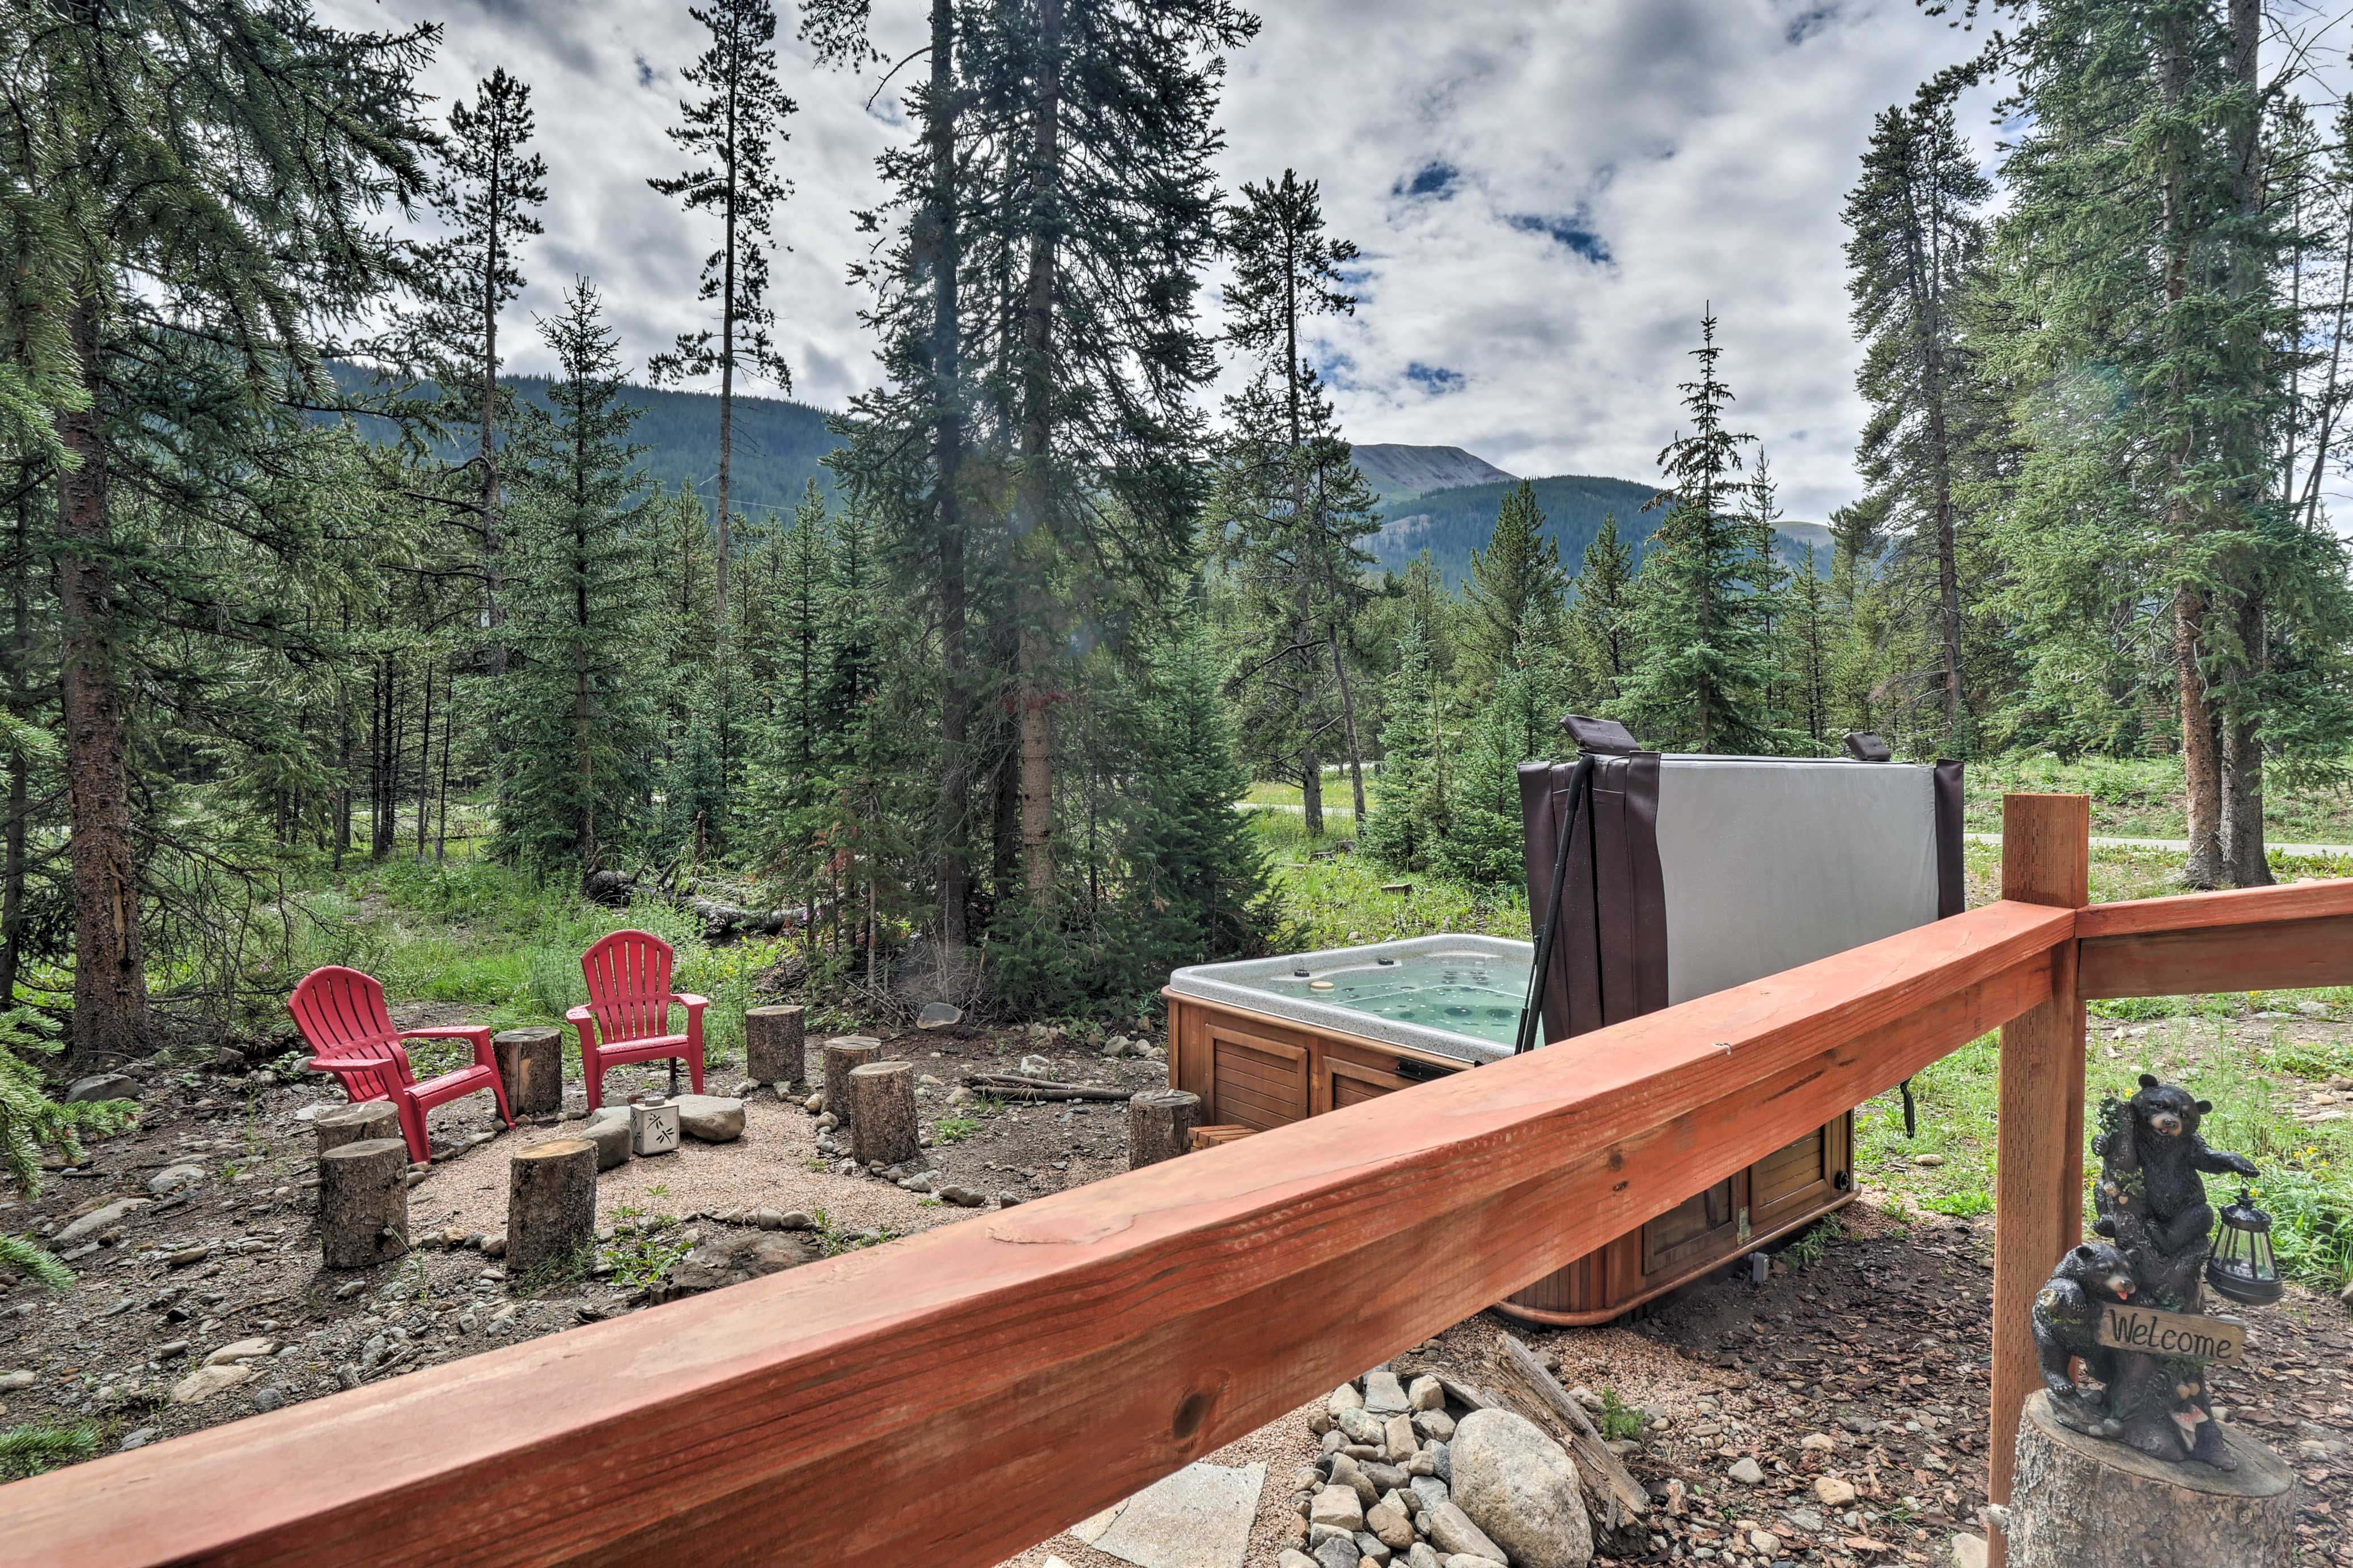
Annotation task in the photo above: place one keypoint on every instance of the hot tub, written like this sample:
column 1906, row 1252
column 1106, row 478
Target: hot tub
column 1268, row 1041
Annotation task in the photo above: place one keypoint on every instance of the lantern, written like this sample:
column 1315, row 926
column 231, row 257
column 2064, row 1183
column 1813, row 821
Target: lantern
column 2242, row 1266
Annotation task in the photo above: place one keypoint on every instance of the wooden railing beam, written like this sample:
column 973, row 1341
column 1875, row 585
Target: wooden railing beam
column 2266, row 955
column 954, row 1397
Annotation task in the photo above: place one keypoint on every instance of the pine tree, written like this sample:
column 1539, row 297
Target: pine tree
column 486, row 195
column 1600, row 634
column 1916, row 250
column 195, row 185
column 1703, row 681
column 1412, row 815
column 581, row 706
column 729, row 134
column 1513, row 594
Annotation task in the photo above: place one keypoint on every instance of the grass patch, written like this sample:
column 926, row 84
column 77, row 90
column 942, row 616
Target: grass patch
column 1342, row 899
column 954, row 1129
column 1813, row 1243
column 645, row 1248
column 1620, row 1422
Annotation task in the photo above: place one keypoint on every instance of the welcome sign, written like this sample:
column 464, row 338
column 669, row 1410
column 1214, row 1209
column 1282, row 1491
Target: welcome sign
column 2178, row 1335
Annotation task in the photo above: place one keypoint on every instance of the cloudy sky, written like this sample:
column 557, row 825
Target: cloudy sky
column 1545, row 195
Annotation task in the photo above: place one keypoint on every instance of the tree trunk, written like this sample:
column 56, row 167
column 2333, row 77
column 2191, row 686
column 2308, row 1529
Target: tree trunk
column 883, row 1113
column 20, row 706
column 1037, row 750
column 1348, row 717
column 1160, row 1125
column 551, row 1203
column 1311, row 789
column 110, row 1014
column 844, row 1053
column 947, row 468
column 369, row 1121
column 2201, row 765
column 2085, row 1502
column 774, row 1046
column 425, row 764
column 1037, row 768
column 531, row 1069
column 364, row 1203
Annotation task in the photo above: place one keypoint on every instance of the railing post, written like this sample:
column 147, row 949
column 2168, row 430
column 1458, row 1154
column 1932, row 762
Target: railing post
column 2046, row 849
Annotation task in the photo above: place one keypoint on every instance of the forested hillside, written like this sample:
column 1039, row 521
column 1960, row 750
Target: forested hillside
column 1451, row 523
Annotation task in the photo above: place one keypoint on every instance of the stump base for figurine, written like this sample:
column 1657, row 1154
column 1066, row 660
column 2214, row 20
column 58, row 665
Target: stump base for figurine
column 2079, row 1501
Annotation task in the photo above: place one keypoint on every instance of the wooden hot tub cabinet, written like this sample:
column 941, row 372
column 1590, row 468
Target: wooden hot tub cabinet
column 1256, row 1071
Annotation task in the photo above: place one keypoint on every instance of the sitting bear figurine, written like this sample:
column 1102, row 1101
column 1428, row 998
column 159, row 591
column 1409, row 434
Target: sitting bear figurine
column 2152, row 1187
column 2066, row 1324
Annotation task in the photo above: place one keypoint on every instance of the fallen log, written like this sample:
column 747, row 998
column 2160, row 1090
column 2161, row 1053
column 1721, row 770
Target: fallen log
column 1613, row 1498
column 1013, row 1086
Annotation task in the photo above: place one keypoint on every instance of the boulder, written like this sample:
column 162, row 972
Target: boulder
column 939, row 1015
column 1520, row 1487
column 609, row 1129
column 102, row 1086
column 96, row 1221
column 207, row 1381
column 1451, row 1531
column 710, row 1117
column 173, row 1178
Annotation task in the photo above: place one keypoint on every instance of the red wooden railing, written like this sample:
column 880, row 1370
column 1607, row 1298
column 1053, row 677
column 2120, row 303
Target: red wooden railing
column 952, row 1398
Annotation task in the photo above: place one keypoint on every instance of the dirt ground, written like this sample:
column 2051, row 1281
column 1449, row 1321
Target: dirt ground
column 1879, row 1346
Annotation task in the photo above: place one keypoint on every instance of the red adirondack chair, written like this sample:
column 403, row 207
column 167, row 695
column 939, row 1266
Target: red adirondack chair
column 629, row 1000
column 341, row 1015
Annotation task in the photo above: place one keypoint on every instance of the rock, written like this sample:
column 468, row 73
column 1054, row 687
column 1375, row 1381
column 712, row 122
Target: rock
column 1426, row 1394
column 710, row 1117
column 207, row 1381
column 1927, row 1161
column 1473, row 1559
column 827, row 1122
column 19, row 1378
column 101, row 1086
column 1832, row 1492
column 609, row 1129
column 170, row 1350
column 1361, row 1426
column 1339, row 1507
column 1344, row 1397
column 1821, row 1441
column 1337, row 1552
column 1435, row 1425
column 1384, row 1395
column 962, row 1197
column 1765, row 1543
column 1520, row 1487
column 731, row 1261
column 1388, row 1519
column 242, row 1351
column 140, row 1439
column 96, row 1220
column 1451, row 1531
column 1421, row 1556
column 1429, row 1490
column 1747, row 1472
column 1806, row 1519
column 173, row 1178
column 1372, row 1549
column 1398, row 1439
column 1344, row 1473
column 267, row 1399
column 494, row 1244
column 1443, row 1459
column 1384, row 1477
column 1968, row 1551
column 939, row 1015
column 1295, row 1560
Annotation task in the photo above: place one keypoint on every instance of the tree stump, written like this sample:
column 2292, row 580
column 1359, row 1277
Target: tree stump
column 2085, row 1502
column 883, row 1113
column 531, row 1066
column 355, row 1123
column 551, row 1202
column 843, row 1052
column 1160, row 1125
column 363, row 1202
column 772, row 1046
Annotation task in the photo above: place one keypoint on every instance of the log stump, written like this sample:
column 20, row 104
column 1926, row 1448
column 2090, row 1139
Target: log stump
column 364, row 1203
column 774, row 1046
column 883, row 1113
column 531, row 1066
column 551, row 1202
column 2085, row 1502
column 1160, row 1125
column 842, row 1054
column 356, row 1123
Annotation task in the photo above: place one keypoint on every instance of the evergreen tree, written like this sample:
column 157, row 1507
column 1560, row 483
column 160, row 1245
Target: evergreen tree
column 1916, row 249
column 1485, row 838
column 1412, row 815
column 1600, row 634
column 729, row 133
column 1513, row 594
column 581, row 706
column 1707, row 667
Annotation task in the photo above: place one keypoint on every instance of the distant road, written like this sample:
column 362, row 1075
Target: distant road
column 2176, row 845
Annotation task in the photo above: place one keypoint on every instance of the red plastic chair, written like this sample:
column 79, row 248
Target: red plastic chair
column 341, row 1015
column 629, row 1004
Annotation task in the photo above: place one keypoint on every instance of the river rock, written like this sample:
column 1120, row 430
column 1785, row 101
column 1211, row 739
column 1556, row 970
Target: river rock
column 1435, row 1425
column 96, row 1220
column 1747, row 1472
column 1520, row 1487
column 1361, row 1426
column 710, row 1117
column 172, row 1178
column 1344, row 1397
column 101, row 1086
column 1421, row 1556
column 1387, row 1521
column 1426, row 1393
column 1337, row 1552
column 1397, row 1436
column 1384, row 1395
column 1339, row 1507
column 207, row 1381
column 1451, row 1531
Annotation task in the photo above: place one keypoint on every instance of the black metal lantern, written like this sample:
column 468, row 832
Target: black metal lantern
column 2242, row 1266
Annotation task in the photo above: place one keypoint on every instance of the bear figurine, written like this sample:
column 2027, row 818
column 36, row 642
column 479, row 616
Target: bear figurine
column 2153, row 1166
column 2066, row 1325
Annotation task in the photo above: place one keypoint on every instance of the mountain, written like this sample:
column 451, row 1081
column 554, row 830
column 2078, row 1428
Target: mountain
column 1396, row 471
column 1452, row 523
column 780, row 444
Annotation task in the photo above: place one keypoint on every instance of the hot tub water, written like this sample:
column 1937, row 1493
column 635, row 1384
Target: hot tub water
column 1466, row 992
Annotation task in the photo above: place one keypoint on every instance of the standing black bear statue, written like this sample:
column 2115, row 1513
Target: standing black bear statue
column 2151, row 1202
